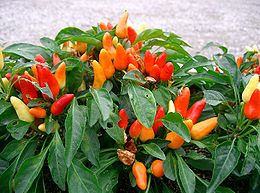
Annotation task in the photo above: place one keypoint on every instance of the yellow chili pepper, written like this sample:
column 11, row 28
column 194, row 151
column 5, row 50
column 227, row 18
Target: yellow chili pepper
column 42, row 127
column 106, row 63
column 121, row 28
column 171, row 107
column 250, row 88
column 1, row 59
column 99, row 75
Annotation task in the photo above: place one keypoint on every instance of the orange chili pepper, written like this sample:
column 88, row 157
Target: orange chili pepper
column 131, row 59
column 102, row 26
column 31, row 77
column 157, row 168
column 176, row 140
column 120, row 61
column 60, row 75
column 55, row 59
column 139, row 172
column 38, row 112
column 121, row 28
column 84, row 57
column 34, row 71
column 108, row 44
column 135, row 129
column 99, row 75
column 146, row 134
column 188, row 123
column 106, row 63
column 239, row 61
column 131, row 34
column 181, row 102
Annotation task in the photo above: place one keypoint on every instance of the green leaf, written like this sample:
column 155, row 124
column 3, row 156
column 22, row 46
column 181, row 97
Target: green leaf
column 213, row 97
column 12, row 149
column 8, row 115
column 49, row 124
column 186, row 175
column 150, row 34
column 93, row 112
column 90, row 145
column 38, row 185
column 44, row 90
column 154, row 150
column 108, row 179
column 56, row 161
column 135, row 76
column 168, row 166
column 81, row 179
column 141, row 97
column 4, row 106
column 27, row 51
column 50, row 44
column 174, row 122
column 162, row 96
column 28, row 172
column 18, row 129
column 226, row 159
column 3, row 165
column 214, row 44
column 103, row 101
column 75, row 123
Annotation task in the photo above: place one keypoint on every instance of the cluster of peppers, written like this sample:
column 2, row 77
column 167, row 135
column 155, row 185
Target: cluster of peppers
column 190, row 116
column 42, row 76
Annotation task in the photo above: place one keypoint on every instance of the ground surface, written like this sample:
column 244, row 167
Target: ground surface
column 234, row 23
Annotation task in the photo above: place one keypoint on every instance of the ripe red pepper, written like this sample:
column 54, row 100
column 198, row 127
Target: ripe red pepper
column 28, row 90
column 16, row 84
column 135, row 129
column 158, row 123
column 155, row 72
column 181, row 102
column 195, row 110
column 252, row 107
column 61, row 103
column 148, row 61
column 123, row 119
column 166, row 72
column 40, row 59
column 45, row 76
column 131, row 34
column 109, row 26
column 55, row 59
column 217, row 69
column 161, row 60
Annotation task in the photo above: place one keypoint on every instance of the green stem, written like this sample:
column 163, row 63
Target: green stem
column 246, row 133
column 108, row 150
column 148, row 185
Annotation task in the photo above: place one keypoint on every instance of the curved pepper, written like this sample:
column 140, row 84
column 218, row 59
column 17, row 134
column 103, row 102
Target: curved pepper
column 34, row 71
column 45, row 76
column 120, row 61
column 195, row 110
column 166, row 71
column 161, row 60
column 252, row 107
column 176, row 140
column 39, row 58
column 139, row 172
column 84, row 57
column 146, row 134
column 155, row 72
column 99, row 75
column 250, row 88
column 21, row 109
column 102, row 26
column 60, row 75
column 15, row 78
column 30, row 76
column 106, row 63
column 148, row 61
column 5, row 82
column 27, row 89
column 157, row 168
column 131, row 34
column 135, row 129
column 171, row 107
column 61, row 103
column 181, row 102
column 108, row 44
column 109, row 26
column 123, row 119
column 121, row 28
column 203, row 128
column 55, row 59
column 38, row 112
column 158, row 123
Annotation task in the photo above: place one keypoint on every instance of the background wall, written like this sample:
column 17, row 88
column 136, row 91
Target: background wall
column 234, row 23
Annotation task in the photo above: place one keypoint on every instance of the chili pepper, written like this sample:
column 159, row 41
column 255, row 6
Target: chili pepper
column 84, row 57
column 146, row 134
column 120, row 61
column 38, row 112
column 131, row 67
column 148, row 61
column 135, row 129
column 123, row 119
column 131, row 59
column 252, row 107
column 106, row 63
column 30, row 76
column 155, row 72
column 161, row 60
column 158, row 123
column 99, row 75
column 45, row 76
column 203, row 128
column 60, row 75
column 108, row 44
column 42, row 127
column 21, row 109
column 131, row 34
column 157, row 168
column 257, row 70
column 39, row 58
column 137, row 47
column 34, row 71
column 188, row 123
column 1, row 60
column 176, row 140
column 245, row 72
column 80, row 47
column 217, row 69
column 27, row 89
column 61, row 103
column 55, row 59
column 250, row 88
column 239, row 61
column 121, row 28
column 115, row 41
column 195, row 110
column 102, row 26
column 15, row 79
column 109, row 26
column 181, row 102
column 139, row 172
column 166, row 71
column 5, row 82
column 171, row 107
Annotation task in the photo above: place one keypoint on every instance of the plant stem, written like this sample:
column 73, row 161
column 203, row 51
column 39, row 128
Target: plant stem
column 148, row 185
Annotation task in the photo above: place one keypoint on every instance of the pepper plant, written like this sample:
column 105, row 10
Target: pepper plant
column 113, row 110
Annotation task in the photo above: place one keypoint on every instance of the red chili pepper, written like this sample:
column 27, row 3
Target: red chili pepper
column 148, row 61
column 252, row 107
column 161, row 60
column 217, row 69
column 45, row 76
column 158, row 123
column 109, row 26
column 257, row 70
column 40, row 59
column 195, row 110
column 131, row 59
column 181, row 102
column 135, row 129
column 155, row 72
column 245, row 72
column 61, row 103
column 123, row 119
column 27, row 89
column 55, row 59
column 16, row 84
column 131, row 34
column 166, row 72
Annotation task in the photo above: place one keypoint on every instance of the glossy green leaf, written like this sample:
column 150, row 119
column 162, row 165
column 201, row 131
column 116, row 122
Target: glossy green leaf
column 18, row 129
column 108, row 179
column 135, row 76
column 150, row 34
column 38, row 185
column 50, row 44
column 162, row 96
column 213, row 97
column 154, row 150
column 75, row 123
column 141, row 97
column 93, row 112
column 168, row 166
column 12, row 149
